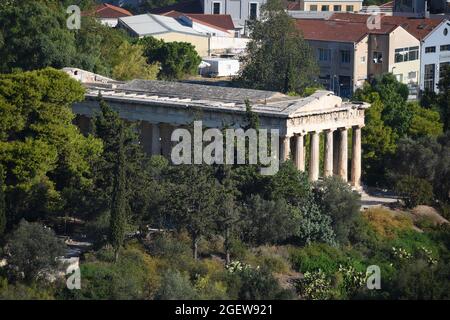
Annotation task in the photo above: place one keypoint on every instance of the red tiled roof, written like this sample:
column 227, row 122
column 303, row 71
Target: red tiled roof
column 108, row 11
column 223, row 21
column 220, row 21
column 325, row 30
column 418, row 27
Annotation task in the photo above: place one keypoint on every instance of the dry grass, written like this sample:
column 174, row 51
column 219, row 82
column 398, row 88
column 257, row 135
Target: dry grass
column 388, row 223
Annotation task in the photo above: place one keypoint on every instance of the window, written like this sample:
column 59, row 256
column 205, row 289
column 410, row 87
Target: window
column 345, row 56
column 412, row 75
column 216, row 7
column 313, row 7
column 377, row 57
column 399, row 77
column 324, row 54
column 337, row 8
column 428, row 82
column 406, row 54
column 363, row 59
column 325, row 8
column 445, row 30
column 442, row 67
column 445, row 47
column 430, row 49
column 253, row 11
column 349, row 8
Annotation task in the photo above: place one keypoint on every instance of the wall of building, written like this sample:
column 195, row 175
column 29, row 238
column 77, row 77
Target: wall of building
column 227, row 45
column 378, row 43
column 360, row 63
column 400, row 38
column 199, row 42
column 305, row 5
column 238, row 9
column 435, row 39
column 332, row 69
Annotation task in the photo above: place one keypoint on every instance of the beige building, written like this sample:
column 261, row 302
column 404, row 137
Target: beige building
column 341, row 49
column 332, row 6
column 348, row 52
column 395, row 51
column 165, row 28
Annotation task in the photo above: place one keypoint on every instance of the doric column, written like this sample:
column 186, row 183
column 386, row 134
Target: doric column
column 343, row 154
column 336, row 136
column 285, row 148
column 156, row 139
column 356, row 157
column 314, row 157
column 328, row 159
column 299, row 152
column 146, row 137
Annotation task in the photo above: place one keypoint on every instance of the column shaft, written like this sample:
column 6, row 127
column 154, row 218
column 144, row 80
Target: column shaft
column 328, row 159
column 336, row 143
column 343, row 154
column 356, row 157
column 156, row 142
column 299, row 153
column 314, row 157
column 285, row 148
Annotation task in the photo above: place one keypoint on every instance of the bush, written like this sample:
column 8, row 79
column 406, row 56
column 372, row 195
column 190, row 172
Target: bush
column 134, row 276
column 340, row 203
column 414, row 191
column 176, row 286
column 258, row 284
column 33, row 249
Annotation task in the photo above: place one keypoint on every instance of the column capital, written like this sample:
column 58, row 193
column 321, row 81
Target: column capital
column 330, row 130
column 358, row 126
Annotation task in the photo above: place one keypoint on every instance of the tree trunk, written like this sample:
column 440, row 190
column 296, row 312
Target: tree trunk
column 195, row 247
column 116, row 255
column 227, row 246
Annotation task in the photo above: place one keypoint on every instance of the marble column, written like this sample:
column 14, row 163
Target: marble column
column 299, row 152
column 328, row 158
column 146, row 137
column 285, row 148
column 336, row 139
column 356, row 157
column 156, row 140
column 343, row 154
column 314, row 157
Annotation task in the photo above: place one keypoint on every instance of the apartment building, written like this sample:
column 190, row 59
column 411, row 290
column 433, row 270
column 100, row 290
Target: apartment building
column 330, row 5
column 341, row 49
column 433, row 50
column 348, row 53
column 435, row 54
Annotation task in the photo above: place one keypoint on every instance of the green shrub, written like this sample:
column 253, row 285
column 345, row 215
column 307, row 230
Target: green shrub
column 176, row 286
column 316, row 257
column 414, row 191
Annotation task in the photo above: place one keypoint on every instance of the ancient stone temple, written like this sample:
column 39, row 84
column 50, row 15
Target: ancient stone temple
column 163, row 106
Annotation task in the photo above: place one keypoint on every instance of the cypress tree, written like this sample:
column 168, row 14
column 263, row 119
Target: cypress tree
column 2, row 205
column 118, row 199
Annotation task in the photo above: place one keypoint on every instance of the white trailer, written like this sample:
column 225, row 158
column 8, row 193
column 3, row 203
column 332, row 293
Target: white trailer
column 219, row 67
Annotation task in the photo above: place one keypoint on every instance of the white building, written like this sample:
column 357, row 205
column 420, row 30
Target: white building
column 435, row 53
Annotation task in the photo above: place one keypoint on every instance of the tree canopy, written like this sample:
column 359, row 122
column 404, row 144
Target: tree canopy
column 278, row 58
